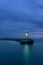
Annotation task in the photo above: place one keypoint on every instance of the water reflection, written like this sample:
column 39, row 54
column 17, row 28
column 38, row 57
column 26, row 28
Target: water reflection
column 26, row 53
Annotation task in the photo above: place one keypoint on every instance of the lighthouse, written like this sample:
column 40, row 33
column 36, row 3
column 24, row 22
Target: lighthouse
column 26, row 35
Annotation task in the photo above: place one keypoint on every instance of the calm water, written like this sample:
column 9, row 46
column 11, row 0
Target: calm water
column 13, row 53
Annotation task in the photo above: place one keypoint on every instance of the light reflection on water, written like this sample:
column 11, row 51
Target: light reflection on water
column 26, row 53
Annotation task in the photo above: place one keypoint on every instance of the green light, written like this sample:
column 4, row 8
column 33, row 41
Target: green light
column 26, row 49
column 26, row 54
column 26, row 35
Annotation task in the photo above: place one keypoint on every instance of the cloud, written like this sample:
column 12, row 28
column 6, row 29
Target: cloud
column 21, row 15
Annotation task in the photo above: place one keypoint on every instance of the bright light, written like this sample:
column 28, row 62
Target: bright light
column 26, row 34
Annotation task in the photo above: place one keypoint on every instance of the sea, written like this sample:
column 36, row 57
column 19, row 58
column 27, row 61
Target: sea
column 14, row 53
column 16, row 18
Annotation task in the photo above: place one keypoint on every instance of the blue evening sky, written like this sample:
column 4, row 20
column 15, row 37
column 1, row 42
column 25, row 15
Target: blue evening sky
column 21, row 15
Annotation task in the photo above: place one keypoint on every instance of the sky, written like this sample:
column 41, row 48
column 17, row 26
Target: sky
column 22, row 15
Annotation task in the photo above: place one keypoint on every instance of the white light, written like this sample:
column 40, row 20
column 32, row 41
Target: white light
column 26, row 34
